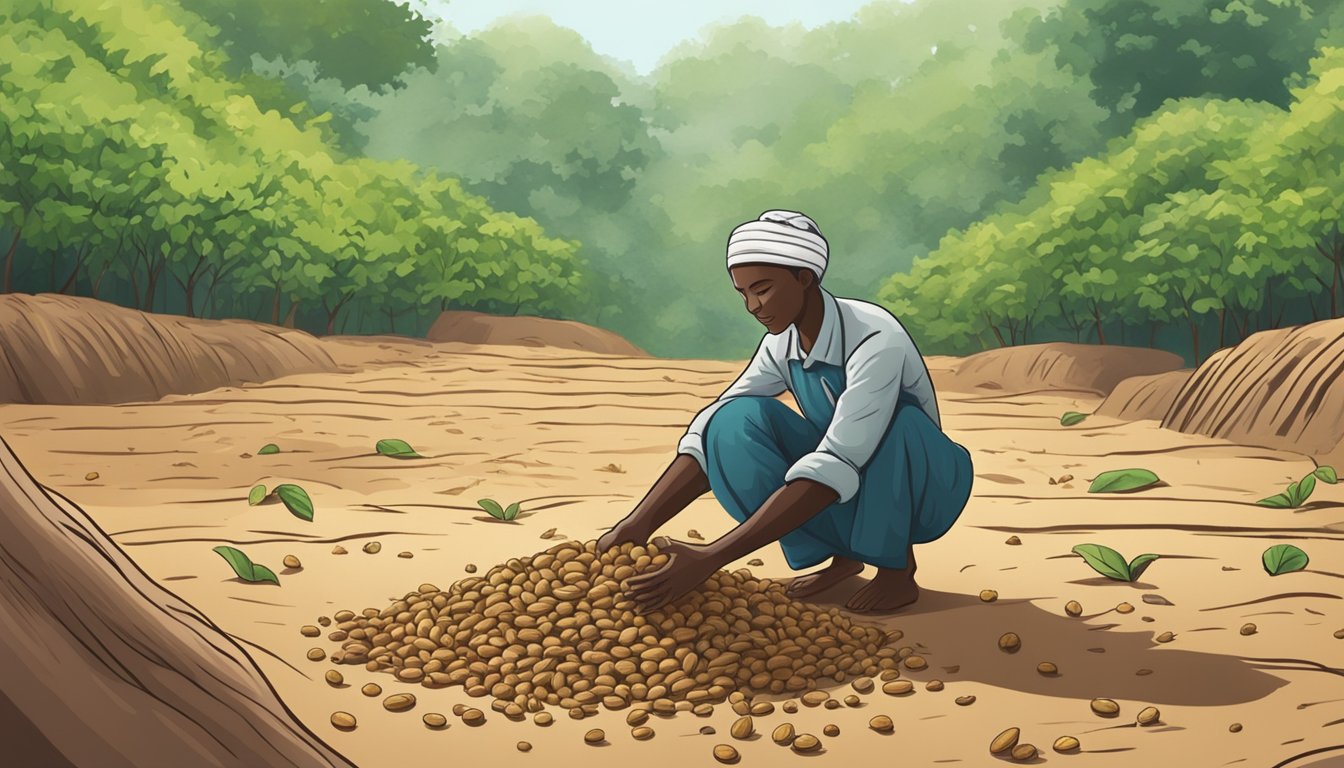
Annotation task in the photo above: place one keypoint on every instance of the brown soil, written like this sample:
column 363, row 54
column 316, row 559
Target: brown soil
column 105, row 667
column 1281, row 389
column 578, row 437
column 66, row 349
column 1144, row 397
column 1060, row 367
column 524, row 331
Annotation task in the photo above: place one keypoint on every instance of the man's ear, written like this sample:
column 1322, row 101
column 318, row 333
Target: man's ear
column 807, row 277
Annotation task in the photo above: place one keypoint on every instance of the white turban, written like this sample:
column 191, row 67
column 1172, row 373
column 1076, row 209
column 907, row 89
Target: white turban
column 786, row 238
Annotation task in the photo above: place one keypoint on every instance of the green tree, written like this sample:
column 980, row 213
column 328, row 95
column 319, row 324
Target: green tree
column 358, row 42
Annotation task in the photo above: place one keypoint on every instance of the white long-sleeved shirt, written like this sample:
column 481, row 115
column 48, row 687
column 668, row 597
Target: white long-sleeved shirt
column 881, row 363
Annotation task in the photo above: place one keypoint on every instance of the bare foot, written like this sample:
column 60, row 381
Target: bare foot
column 887, row 591
column 840, row 569
column 890, row 589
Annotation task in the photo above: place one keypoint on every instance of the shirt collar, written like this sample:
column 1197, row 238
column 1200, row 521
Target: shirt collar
column 829, row 347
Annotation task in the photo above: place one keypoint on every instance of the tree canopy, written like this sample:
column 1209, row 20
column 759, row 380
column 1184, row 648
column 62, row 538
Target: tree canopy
column 133, row 166
column 995, row 171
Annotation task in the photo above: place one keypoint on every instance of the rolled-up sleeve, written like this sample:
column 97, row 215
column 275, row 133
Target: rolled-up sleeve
column 862, row 414
column 762, row 378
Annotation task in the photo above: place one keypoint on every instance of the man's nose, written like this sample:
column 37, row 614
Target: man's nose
column 753, row 305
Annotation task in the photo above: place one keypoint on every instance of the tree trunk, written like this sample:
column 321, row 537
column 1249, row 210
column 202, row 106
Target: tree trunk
column 105, row 668
column 154, row 272
column 1269, row 299
column 275, row 306
column 70, row 281
column 1096, row 315
column 1194, row 336
column 289, row 316
column 334, row 312
column 9, row 261
column 995, row 329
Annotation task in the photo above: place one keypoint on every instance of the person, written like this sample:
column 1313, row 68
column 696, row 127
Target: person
column 863, row 473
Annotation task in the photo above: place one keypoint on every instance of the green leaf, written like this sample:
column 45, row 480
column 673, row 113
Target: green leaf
column 255, row 495
column 1104, row 560
column 1278, row 500
column 397, row 448
column 1072, row 417
column 492, row 507
column 296, row 500
column 1284, row 558
column 1304, row 488
column 1140, row 564
column 268, row 449
column 1326, row 475
column 512, row 511
column 1120, row 480
column 1291, row 493
column 244, row 567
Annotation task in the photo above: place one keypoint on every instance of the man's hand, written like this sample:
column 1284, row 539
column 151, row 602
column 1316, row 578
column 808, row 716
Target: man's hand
column 687, row 568
column 621, row 533
column 681, row 483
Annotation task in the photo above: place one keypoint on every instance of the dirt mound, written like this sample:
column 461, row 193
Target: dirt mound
column 1055, row 366
column 1144, row 397
column 107, row 667
column 481, row 328
column 57, row 349
column 1278, row 389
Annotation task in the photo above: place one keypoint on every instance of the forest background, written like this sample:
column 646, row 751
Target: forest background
column 996, row 172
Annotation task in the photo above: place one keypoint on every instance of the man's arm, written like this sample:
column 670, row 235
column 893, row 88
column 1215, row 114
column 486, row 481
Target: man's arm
column 830, row 473
column 761, row 378
column 685, row 479
column 786, row 509
column 681, row 483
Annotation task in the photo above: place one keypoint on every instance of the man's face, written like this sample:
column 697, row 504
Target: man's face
column 772, row 294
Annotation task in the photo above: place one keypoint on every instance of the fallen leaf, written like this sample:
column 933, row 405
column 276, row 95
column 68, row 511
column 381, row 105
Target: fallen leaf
column 757, row 562
column 1156, row 600
column 694, row 534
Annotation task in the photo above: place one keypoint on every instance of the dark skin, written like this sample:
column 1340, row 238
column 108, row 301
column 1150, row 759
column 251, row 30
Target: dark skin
column 777, row 297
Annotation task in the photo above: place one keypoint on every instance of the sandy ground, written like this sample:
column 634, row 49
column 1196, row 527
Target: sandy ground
column 577, row 438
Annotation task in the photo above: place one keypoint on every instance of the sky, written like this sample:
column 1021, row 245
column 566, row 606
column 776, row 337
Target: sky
column 639, row 31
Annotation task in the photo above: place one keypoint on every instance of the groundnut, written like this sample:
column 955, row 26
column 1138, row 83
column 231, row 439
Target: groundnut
column 556, row 630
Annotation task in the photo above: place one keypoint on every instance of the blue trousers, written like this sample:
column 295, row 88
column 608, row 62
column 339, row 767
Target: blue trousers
column 911, row 491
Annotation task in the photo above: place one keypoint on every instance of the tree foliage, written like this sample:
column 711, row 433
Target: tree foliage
column 134, row 167
column 995, row 171
column 358, row 42
column 1216, row 216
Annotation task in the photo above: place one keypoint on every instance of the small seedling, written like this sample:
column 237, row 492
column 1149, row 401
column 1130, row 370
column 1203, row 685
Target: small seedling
column 244, row 567
column 397, row 449
column 268, row 448
column 1283, row 558
column 1111, row 564
column 295, row 499
column 1297, row 493
column 1072, row 417
column 493, row 508
column 1121, row 480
